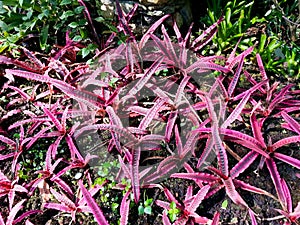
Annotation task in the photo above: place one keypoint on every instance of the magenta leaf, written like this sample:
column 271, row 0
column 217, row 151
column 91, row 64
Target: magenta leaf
column 276, row 180
column 288, row 159
column 142, row 81
column 135, row 173
column 124, row 209
column 97, row 212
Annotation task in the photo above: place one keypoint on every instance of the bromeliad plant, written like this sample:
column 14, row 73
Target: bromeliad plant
column 124, row 95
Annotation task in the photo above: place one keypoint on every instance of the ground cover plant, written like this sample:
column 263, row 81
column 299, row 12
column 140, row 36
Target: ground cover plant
column 149, row 131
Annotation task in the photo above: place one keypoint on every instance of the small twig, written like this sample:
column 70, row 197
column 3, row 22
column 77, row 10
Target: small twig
column 232, row 153
column 288, row 20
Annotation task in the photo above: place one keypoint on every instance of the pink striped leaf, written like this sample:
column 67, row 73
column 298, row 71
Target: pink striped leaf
column 200, row 65
column 151, row 114
column 197, row 199
column 151, row 30
column 253, row 189
column 243, row 164
column 169, row 45
column 276, row 180
column 88, row 98
column 197, row 176
column 7, row 140
column 135, row 179
column 287, row 194
column 206, row 36
column 232, row 193
column 97, row 212
column 216, row 219
column 252, row 217
column 124, row 209
column 58, row 207
column 285, row 141
column 170, row 125
column 288, row 159
column 165, row 219
column 291, row 122
column 142, row 81
column 236, row 77
column 14, row 211
column 262, row 70
column 122, row 20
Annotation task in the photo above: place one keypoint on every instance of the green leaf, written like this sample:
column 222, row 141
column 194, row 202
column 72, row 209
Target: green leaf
column 66, row 2
column 112, row 83
column 148, row 210
column 44, row 37
column 224, row 204
column 141, row 210
column 149, row 201
column 83, row 33
column 262, row 42
column 3, row 26
column 85, row 52
column 100, row 19
column 79, row 9
column 173, row 205
column 73, row 25
column 82, row 22
column 66, row 14
column 114, row 206
column 77, row 38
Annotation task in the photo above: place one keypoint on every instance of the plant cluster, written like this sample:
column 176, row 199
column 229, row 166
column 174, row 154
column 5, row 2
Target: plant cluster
column 58, row 104
column 266, row 30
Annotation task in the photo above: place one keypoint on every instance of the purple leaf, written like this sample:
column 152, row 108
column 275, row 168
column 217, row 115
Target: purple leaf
column 180, row 91
column 151, row 30
column 288, row 159
column 256, row 130
column 243, row 164
column 216, row 219
column 207, row 178
column 170, row 124
column 135, row 180
column 248, row 187
column 237, row 111
column 291, row 122
column 206, row 152
column 232, row 193
column 142, row 81
column 165, row 219
column 288, row 198
column 54, row 120
column 97, row 212
column 89, row 19
column 122, row 19
column 276, row 180
column 199, row 42
column 124, row 209
column 88, row 98
column 236, row 77
column 57, row 206
column 239, row 57
column 262, row 70
column 151, row 114
column 26, row 214
column 14, row 211
column 197, row 199
column 7, row 140
column 252, row 217
column 200, row 65
column 285, row 141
